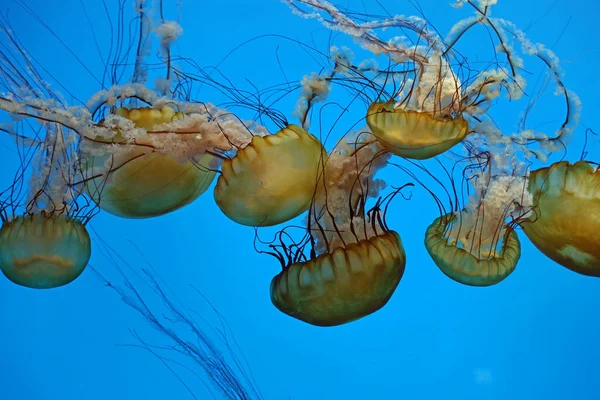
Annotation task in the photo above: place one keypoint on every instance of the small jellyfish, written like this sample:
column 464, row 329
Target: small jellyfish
column 43, row 239
column 463, row 264
column 271, row 180
column 414, row 134
column 474, row 242
column 566, row 215
column 135, row 180
column 43, row 251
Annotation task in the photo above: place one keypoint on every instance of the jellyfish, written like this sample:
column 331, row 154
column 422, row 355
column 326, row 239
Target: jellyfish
column 473, row 241
column 566, row 215
column 487, row 265
column 344, row 285
column 271, row 180
column 414, row 134
column 429, row 99
column 427, row 116
column 145, row 151
column 355, row 261
column 44, row 242
column 140, row 181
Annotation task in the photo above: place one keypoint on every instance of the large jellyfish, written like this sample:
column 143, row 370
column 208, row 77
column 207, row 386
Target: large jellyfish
column 148, row 161
column 349, row 263
column 141, row 181
column 566, row 215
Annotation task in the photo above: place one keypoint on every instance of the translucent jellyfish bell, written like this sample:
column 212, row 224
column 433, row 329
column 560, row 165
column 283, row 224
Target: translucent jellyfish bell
column 43, row 239
column 43, row 251
column 272, row 180
column 414, row 134
column 344, row 285
column 566, row 217
column 466, row 266
column 356, row 262
column 143, row 183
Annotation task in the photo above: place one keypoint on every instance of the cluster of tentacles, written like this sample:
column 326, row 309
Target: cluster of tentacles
column 137, row 152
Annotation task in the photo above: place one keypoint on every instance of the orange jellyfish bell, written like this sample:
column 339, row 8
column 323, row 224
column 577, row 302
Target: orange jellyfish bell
column 566, row 219
column 43, row 251
column 143, row 183
column 414, row 134
column 462, row 264
column 344, row 285
column 272, row 180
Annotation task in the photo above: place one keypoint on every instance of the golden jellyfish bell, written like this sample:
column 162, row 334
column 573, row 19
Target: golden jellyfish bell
column 565, row 224
column 144, row 183
column 414, row 134
column 464, row 267
column 273, row 179
column 344, row 285
column 43, row 252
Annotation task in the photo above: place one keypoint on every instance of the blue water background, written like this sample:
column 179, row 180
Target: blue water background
column 534, row 336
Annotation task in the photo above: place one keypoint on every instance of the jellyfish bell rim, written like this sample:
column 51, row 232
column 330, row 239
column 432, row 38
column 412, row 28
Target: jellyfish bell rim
column 191, row 181
column 409, row 146
column 342, row 299
column 505, row 263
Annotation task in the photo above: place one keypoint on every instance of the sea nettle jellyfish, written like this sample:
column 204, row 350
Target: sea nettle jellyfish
column 476, row 243
column 44, row 242
column 271, row 180
column 274, row 178
column 355, row 261
column 43, row 239
column 134, row 178
column 566, row 215
column 429, row 98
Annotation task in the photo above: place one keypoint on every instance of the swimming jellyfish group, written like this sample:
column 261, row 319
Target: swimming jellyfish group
column 136, row 150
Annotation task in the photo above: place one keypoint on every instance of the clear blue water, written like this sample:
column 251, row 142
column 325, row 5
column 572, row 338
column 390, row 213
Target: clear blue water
column 534, row 336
